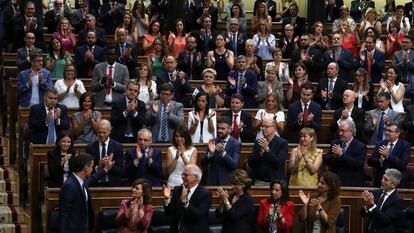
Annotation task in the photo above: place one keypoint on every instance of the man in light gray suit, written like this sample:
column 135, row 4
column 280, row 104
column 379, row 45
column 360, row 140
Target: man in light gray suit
column 165, row 115
column 109, row 80
column 404, row 59
column 378, row 119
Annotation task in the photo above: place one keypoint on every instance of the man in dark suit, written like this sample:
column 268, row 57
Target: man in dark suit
column 393, row 152
column 88, row 55
column 241, row 121
column 342, row 56
column 104, row 149
column 205, row 36
column 235, row 39
column 46, row 119
column 23, row 54
column 404, row 60
column 346, row 156
column 27, row 22
column 207, row 8
column 242, row 81
column 75, row 200
column 188, row 204
column 269, row 155
column 409, row 123
column 222, row 155
column 126, row 51
column 53, row 16
column 331, row 89
column 144, row 161
column 78, row 19
column 112, row 13
column 128, row 115
column 303, row 113
column 311, row 57
column 91, row 27
column 296, row 21
column 384, row 206
column 190, row 61
column 409, row 11
column 372, row 60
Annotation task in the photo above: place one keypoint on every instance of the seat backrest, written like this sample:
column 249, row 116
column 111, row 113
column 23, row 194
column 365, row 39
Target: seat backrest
column 212, row 218
column 410, row 172
column 107, row 218
column 340, row 221
column 159, row 217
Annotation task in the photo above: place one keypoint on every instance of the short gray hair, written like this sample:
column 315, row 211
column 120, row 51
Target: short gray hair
column 194, row 170
column 350, row 124
column 106, row 123
column 394, row 174
column 145, row 130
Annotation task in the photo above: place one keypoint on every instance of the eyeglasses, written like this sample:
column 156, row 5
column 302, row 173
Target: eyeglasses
column 267, row 126
column 288, row 29
column 71, row 70
column 187, row 174
column 390, row 130
column 336, row 38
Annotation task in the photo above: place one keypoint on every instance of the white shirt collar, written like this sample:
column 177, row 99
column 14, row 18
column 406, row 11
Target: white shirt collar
column 79, row 179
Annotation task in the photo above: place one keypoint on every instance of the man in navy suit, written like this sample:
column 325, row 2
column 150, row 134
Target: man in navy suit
column 222, row 155
column 190, row 61
column 104, row 149
column 242, row 81
column 144, row 161
column 90, row 26
column 188, row 204
column 303, row 113
column 46, row 119
column 409, row 123
column 384, row 206
column 310, row 56
column 111, row 12
column 128, row 115
column 346, row 156
column 342, row 56
column 403, row 60
column 205, row 36
column 126, row 51
column 296, row 21
column 372, row 60
column 88, row 55
column 75, row 200
column 80, row 14
column 269, row 155
column 235, row 38
column 393, row 152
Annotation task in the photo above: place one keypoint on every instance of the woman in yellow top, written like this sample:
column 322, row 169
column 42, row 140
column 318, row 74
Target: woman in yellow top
column 305, row 160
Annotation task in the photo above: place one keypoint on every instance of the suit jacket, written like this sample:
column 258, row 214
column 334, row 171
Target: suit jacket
column 367, row 104
column 78, row 21
column 409, row 11
column 313, row 66
column 76, row 213
column 24, row 91
column 398, row 159
column 262, row 91
column 199, row 35
column 120, row 122
column 221, row 165
column 350, row 165
column 112, row 20
column 300, row 25
column 384, row 220
column 37, row 122
column 192, row 70
column 180, row 90
column 338, row 90
column 82, row 64
column 51, row 20
column 115, row 148
column 345, row 62
column 269, row 166
column 212, row 11
column 377, row 65
column 239, row 217
column 358, row 117
column 194, row 217
column 175, row 118
column 249, row 91
column 21, row 60
column 409, row 123
column 131, row 63
column 19, row 32
column 120, row 77
column 151, row 172
column 56, row 172
column 372, row 130
column 100, row 36
column 240, row 43
column 358, row 9
column 292, row 122
column 406, row 69
column 246, row 135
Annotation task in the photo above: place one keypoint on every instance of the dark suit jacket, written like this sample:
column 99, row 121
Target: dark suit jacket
column 338, row 90
column 78, row 21
column 115, row 148
column 37, row 122
column 131, row 63
column 151, row 172
column 358, row 116
column 248, row 92
column 109, row 20
column 100, row 36
column 246, row 135
column 385, row 220
column 377, row 65
column 313, row 66
column 200, row 40
column 194, row 218
column 345, row 62
column 19, row 32
column 82, row 64
column 75, row 213
column 240, row 43
column 350, row 165
column 398, row 159
column 51, row 21
column 269, row 165
column 409, row 11
column 180, row 90
column 300, row 25
column 21, row 60
column 406, row 69
column 220, row 167
column 409, row 123
column 367, row 104
column 239, row 217
column 212, row 11
column 357, row 10
column 184, row 64
column 292, row 123
column 54, row 159
column 24, row 91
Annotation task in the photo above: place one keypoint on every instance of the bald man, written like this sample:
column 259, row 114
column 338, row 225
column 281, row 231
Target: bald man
column 126, row 51
column 349, row 112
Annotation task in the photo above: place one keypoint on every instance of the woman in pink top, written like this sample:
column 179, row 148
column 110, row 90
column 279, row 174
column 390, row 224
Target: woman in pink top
column 177, row 39
column 147, row 42
column 394, row 39
column 65, row 35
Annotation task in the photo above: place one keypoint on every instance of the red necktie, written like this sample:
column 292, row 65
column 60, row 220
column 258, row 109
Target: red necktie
column 235, row 128
column 108, row 81
column 369, row 62
column 90, row 68
column 305, row 115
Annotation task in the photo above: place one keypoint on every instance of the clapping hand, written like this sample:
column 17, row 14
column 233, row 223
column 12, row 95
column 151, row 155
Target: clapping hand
column 368, row 197
column 223, row 195
column 303, row 197
column 56, row 114
column 232, row 81
column 166, row 191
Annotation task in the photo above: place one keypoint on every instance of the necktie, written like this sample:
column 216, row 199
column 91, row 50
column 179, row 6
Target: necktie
column 381, row 200
column 108, row 81
column 103, row 150
column 369, row 62
column 235, row 127
column 390, row 149
column 305, row 115
column 239, row 83
column 164, row 124
column 206, row 47
column 328, row 99
column 51, row 129
column 90, row 67
column 122, row 48
column 343, row 147
column 128, row 130
column 381, row 128
column 234, row 42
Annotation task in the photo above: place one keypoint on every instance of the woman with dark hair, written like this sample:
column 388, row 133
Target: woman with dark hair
column 394, row 39
column 363, row 89
column 155, row 60
column 65, row 35
column 57, row 58
column 69, row 88
column 276, row 212
column 221, row 59
column 177, row 38
column 202, row 120
column 321, row 210
column 216, row 95
column 148, row 42
column 229, row 7
column 318, row 38
column 236, row 209
column 236, row 11
column 85, row 122
column 141, row 21
column 181, row 153
column 350, row 39
column 300, row 76
column 58, row 159
column 378, row 42
column 127, row 24
column 396, row 89
column 135, row 214
column 147, row 87
column 402, row 20
column 388, row 11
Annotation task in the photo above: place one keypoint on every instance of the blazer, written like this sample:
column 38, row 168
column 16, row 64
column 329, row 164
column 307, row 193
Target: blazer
column 409, row 123
column 314, row 65
column 287, row 210
column 409, row 11
column 398, row 159
column 268, row 166
column 201, row 45
column 300, row 25
column 100, row 36
column 338, row 90
column 221, row 165
column 115, row 148
column 19, row 32
column 37, row 122
column 120, row 77
column 238, row 219
column 409, row 91
column 292, row 122
column 56, row 172
column 377, row 65
column 78, row 21
column 24, row 91
column 367, row 104
column 345, row 62
column 350, row 165
column 76, row 213
column 331, row 207
column 51, row 20
column 246, row 135
column 111, row 20
column 193, row 70
column 372, row 130
column 82, row 64
column 262, row 91
column 248, row 91
column 384, row 220
column 194, row 217
column 131, row 63
column 358, row 117
column 175, row 119
column 151, row 172
column 21, row 60
column 406, row 69
column 180, row 90
column 240, row 43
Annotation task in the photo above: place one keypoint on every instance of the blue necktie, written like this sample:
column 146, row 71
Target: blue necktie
column 234, row 41
column 164, row 124
column 381, row 128
column 206, row 47
column 51, row 129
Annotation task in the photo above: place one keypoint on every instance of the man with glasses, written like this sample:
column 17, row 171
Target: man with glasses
column 342, row 56
column 23, row 54
column 205, row 36
column 331, row 88
column 372, row 60
column 310, row 56
column 190, row 61
column 235, row 38
column 393, row 152
column 288, row 42
column 404, row 61
column 27, row 22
